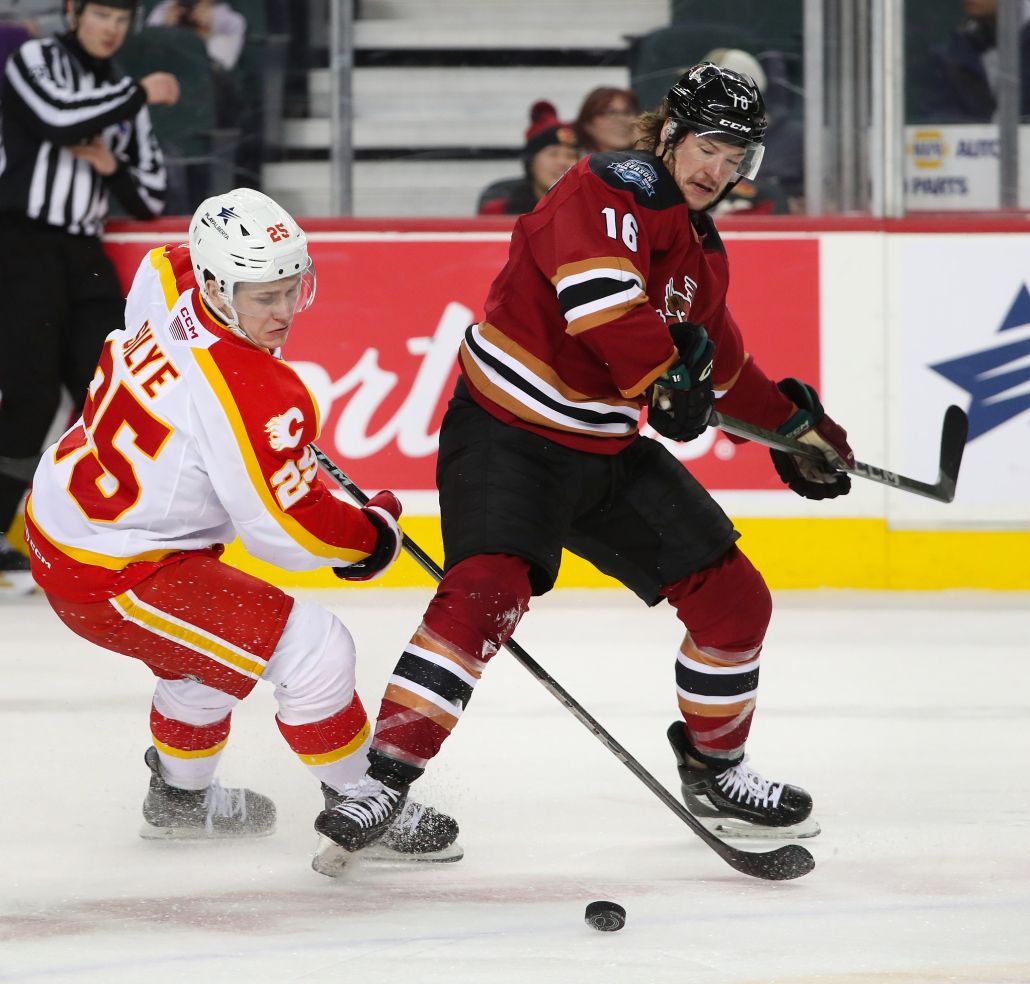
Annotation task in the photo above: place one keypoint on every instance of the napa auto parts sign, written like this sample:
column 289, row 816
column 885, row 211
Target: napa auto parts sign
column 378, row 348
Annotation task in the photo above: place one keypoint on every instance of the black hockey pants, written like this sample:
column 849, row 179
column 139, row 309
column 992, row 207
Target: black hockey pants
column 61, row 298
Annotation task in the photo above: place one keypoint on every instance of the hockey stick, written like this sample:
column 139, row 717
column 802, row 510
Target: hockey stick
column 780, row 864
column 953, row 443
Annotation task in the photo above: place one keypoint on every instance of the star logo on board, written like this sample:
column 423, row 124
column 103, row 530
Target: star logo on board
column 226, row 214
column 997, row 378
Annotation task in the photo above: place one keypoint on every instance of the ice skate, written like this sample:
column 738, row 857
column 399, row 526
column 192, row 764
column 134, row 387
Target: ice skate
column 418, row 834
column 216, row 812
column 15, row 574
column 738, row 801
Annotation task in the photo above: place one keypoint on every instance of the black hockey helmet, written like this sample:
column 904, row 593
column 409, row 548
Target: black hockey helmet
column 722, row 104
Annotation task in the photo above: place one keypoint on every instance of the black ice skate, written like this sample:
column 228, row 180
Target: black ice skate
column 216, row 812
column 15, row 573
column 418, row 833
column 738, row 801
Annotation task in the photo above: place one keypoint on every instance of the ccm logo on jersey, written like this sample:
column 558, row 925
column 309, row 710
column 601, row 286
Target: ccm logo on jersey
column 182, row 326
column 280, row 429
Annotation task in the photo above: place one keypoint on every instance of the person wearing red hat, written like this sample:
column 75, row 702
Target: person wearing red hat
column 552, row 147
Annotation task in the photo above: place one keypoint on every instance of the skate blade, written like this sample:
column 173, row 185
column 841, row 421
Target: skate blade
column 743, row 830
column 149, row 832
column 379, row 852
column 332, row 860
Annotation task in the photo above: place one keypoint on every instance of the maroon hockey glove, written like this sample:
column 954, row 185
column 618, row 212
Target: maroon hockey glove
column 383, row 511
column 806, row 476
column 681, row 399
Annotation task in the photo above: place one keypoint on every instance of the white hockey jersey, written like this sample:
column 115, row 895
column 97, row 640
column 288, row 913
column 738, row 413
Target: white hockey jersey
column 190, row 435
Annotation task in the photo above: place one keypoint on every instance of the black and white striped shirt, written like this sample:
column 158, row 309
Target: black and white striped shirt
column 56, row 96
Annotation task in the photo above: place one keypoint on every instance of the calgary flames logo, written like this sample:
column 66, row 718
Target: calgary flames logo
column 279, row 430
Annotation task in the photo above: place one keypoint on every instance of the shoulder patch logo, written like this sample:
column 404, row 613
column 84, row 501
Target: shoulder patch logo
column 636, row 172
column 280, row 429
column 677, row 303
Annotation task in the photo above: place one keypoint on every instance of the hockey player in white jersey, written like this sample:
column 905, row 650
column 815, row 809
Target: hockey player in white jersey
column 194, row 432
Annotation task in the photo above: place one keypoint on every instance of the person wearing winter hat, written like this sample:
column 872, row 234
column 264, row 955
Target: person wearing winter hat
column 551, row 149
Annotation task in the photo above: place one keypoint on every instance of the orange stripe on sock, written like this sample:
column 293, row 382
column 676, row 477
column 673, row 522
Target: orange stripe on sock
column 426, row 708
column 715, row 710
column 473, row 668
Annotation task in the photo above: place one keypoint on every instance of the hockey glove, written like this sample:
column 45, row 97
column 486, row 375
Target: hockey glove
column 681, row 400
column 383, row 511
column 806, row 476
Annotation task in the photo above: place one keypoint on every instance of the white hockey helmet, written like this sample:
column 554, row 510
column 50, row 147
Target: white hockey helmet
column 243, row 236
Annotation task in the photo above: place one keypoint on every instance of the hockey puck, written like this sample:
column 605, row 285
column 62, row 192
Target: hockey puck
column 605, row 917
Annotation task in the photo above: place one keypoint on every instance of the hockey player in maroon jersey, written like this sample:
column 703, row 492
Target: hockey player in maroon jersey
column 195, row 431
column 613, row 299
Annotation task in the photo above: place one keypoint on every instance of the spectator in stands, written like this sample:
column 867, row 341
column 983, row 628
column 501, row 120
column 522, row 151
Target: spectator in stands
column 72, row 131
column 963, row 72
column 551, row 149
column 222, row 28
column 37, row 17
column 607, row 120
column 224, row 31
column 781, row 187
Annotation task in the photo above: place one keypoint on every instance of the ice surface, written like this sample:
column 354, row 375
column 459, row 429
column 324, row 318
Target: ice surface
column 906, row 716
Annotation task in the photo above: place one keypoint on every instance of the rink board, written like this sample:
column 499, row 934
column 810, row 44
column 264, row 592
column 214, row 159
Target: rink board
column 891, row 321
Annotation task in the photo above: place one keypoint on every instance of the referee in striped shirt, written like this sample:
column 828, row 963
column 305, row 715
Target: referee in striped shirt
column 72, row 132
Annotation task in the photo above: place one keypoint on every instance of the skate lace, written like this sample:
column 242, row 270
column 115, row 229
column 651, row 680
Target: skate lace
column 742, row 783
column 409, row 819
column 230, row 804
column 367, row 802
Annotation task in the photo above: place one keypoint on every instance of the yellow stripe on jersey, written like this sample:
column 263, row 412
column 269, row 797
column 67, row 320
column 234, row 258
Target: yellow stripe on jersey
column 180, row 753
column 187, row 635
column 293, row 529
column 328, row 758
column 161, row 264
column 96, row 559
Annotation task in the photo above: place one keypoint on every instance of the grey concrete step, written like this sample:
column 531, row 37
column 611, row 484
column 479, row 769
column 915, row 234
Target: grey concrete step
column 501, row 15
column 385, row 97
column 414, row 35
column 404, row 189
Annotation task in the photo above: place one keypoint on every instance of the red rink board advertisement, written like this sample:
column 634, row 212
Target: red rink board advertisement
column 378, row 348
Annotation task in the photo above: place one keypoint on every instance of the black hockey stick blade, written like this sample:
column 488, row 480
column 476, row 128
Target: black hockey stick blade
column 953, row 443
column 780, row 864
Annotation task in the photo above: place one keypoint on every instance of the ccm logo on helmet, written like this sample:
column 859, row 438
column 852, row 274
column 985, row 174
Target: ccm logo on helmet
column 734, row 126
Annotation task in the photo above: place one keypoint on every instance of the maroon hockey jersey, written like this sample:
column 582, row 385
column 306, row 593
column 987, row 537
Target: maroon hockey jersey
column 576, row 322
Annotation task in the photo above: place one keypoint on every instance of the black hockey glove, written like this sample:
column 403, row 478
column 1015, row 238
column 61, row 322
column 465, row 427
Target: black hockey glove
column 383, row 511
column 681, row 400
column 806, row 476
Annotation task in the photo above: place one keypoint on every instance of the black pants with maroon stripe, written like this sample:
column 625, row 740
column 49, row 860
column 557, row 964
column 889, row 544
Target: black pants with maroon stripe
column 61, row 299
